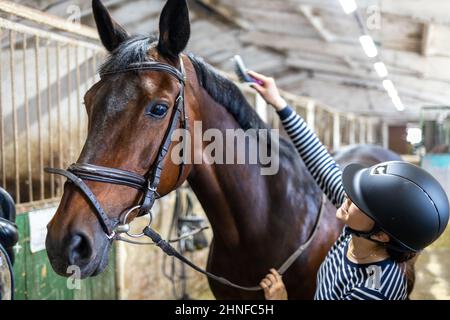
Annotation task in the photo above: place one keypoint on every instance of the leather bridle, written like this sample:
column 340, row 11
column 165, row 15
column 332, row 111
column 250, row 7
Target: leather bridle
column 148, row 184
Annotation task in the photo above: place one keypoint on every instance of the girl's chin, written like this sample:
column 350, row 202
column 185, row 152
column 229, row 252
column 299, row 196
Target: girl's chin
column 340, row 215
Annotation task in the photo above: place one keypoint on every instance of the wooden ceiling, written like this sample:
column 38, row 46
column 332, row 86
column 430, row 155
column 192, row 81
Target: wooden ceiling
column 311, row 46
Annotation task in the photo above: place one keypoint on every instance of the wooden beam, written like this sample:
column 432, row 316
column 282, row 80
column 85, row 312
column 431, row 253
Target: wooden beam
column 296, row 44
column 435, row 11
column 431, row 67
column 359, row 100
column 280, row 6
column 317, row 23
column 277, row 22
column 48, row 19
column 436, row 40
column 365, row 72
column 431, row 90
column 227, row 12
column 327, row 67
column 293, row 78
column 376, row 85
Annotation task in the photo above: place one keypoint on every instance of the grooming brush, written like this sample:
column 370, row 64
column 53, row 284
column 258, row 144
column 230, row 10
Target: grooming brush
column 241, row 71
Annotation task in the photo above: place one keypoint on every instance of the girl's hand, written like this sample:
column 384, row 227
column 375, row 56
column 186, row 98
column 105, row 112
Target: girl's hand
column 273, row 286
column 268, row 90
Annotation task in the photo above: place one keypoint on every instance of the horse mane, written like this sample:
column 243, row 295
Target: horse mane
column 227, row 94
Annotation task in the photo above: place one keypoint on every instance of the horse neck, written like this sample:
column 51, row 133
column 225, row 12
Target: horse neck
column 235, row 197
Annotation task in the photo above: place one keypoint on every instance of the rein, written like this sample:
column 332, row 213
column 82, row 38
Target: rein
column 171, row 251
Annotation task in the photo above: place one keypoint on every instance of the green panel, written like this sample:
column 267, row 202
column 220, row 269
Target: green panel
column 84, row 293
column 36, row 280
column 101, row 287
column 104, row 285
column 20, row 272
column 42, row 282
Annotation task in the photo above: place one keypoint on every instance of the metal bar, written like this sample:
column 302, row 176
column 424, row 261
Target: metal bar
column 31, row 206
column 39, row 115
column 49, row 112
column 12, row 40
column 2, row 124
column 69, row 105
column 336, row 131
column 6, row 24
column 86, row 80
column 310, row 114
column 362, row 130
column 370, row 131
column 79, row 105
column 47, row 19
column 352, row 129
column 58, row 98
column 27, row 118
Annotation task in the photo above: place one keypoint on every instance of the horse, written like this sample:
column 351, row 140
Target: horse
column 257, row 220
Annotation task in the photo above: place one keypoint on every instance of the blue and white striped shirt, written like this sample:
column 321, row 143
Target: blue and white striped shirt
column 338, row 277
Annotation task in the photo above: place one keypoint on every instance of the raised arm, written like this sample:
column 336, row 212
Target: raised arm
column 319, row 162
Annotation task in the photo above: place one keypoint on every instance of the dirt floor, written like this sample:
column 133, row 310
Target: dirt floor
column 433, row 271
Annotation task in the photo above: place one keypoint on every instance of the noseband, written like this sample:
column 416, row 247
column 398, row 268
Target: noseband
column 148, row 184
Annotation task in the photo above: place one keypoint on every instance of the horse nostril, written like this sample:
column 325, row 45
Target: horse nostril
column 80, row 249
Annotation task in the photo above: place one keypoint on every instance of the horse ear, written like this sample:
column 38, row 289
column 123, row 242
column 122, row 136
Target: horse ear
column 174, row 28
column 110, row 32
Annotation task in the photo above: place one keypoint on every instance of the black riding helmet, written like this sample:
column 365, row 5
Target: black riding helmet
column 405, row 201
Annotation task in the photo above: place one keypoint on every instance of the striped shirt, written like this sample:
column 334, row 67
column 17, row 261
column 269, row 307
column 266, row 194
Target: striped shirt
column 338, row 277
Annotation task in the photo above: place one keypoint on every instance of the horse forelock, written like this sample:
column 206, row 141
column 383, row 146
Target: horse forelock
column 133, row 50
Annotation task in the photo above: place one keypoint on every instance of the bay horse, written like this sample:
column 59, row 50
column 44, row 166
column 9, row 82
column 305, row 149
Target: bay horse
column 257, row 220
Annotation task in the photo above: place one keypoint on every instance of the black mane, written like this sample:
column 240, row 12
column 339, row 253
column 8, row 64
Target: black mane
column 226, row 93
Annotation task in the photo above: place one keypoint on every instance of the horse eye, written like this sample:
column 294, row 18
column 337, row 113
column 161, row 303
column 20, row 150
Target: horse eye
column 157, row 110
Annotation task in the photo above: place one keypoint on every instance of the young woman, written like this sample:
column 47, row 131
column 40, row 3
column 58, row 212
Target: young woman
column 391, row 211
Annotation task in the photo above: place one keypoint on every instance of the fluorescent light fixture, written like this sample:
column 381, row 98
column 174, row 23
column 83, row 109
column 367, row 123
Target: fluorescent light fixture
column 381, row 69
column 390, row 88
column 398, row 103
column 368, row 46
column 349, row 6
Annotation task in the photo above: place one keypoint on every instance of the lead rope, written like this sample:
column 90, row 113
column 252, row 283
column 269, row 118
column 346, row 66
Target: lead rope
column 171, row 251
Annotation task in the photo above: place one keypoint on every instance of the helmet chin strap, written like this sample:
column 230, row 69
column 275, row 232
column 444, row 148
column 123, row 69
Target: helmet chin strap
column 367, row 234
